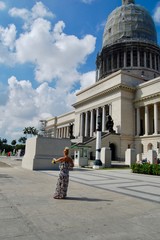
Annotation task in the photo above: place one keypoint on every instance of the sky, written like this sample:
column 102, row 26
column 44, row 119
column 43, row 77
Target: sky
column 48, row 51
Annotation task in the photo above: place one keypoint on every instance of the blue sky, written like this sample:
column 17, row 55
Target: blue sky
column 48, row 50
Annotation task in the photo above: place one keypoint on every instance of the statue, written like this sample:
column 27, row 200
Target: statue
column 109, row 124
column 71, row 130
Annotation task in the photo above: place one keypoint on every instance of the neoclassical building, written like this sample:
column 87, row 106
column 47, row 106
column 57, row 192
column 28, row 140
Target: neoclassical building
column 127, row 88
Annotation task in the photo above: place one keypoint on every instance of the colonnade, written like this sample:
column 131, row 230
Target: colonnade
column 63, row 132
column 148, row 119
column 131, row 58
column 127, row 57
column 88, row 120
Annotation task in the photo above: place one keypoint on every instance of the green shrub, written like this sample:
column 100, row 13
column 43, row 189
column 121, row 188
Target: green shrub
column 146, row 168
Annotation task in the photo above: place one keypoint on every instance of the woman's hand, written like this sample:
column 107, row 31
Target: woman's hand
column 53, row 160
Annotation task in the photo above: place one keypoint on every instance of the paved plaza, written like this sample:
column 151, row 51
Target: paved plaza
column 102, row 204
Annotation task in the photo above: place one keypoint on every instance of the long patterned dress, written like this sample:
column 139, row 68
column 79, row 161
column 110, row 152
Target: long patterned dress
column 62, row 182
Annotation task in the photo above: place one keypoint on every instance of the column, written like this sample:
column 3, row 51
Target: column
column 155, row 62
column 110, row 109
column 138, row 121
column 62, row 129
column 124, row 59
column 118, row 60
column 86, row 124
column 91, row 124
column 145, row 60
column 138, row 58
column 103, row 118
column 155, row 118
column 67, row 133
column 131, row 57
column 59, row 133
column 158, row 62
column 82, row 124
column 146, row 120
column 151, row 65
column 97, row 113
column 104, row 65
column 111, row 61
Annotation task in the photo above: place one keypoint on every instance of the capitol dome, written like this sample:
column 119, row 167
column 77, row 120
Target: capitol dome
column 129, row 22
column 129, row 43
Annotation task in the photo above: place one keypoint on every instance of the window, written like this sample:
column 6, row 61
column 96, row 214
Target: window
column 148, row 59
column 121, row 59
column 109, row 30
column 153, row 61
column 109, row 62
column 128, row 55
column 142, row 58
column 115, row 60
column 156, row 62
column 135, row 60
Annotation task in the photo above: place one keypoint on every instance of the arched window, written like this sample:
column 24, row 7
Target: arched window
column 150, row 146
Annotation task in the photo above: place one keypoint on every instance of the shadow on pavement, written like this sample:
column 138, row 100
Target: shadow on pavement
column 88, row 199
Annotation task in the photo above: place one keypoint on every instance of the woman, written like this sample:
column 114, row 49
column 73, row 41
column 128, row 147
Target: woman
column 66, row 163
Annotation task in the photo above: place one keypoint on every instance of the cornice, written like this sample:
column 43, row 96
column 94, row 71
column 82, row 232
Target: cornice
column 152, row 96
column 106, row 91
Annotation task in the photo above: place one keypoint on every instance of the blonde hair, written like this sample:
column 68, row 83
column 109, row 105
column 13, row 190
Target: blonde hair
column 66, row 150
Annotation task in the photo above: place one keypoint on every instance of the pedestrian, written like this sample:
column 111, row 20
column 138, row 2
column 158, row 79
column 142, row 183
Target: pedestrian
column 66, row 164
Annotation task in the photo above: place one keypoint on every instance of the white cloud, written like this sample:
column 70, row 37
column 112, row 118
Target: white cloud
column 156, row 15
column 8, row 36
column 22, row 13
column 39, row 10
column 2, row 5
column 87, row 1
column 56, row 57
column 7, row 43
column 87, row 79
column 55, row 54
column 26, row 106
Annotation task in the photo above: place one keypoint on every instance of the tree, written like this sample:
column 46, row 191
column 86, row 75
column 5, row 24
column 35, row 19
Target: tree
column 22, row 140
column 26, row 131
column 30, row 130
column 4, row 141
column 34, row 131
column 13, row 142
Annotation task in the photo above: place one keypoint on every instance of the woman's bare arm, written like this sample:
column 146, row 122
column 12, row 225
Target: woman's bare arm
column 61, row 159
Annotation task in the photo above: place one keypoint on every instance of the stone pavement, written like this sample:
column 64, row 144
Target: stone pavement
column 101, row 204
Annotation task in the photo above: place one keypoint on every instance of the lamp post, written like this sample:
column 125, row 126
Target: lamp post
column 97, row 163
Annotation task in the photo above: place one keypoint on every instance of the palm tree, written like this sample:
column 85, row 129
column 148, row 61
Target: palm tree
column 30, row 130
column 35, row 131
column 26, row 131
